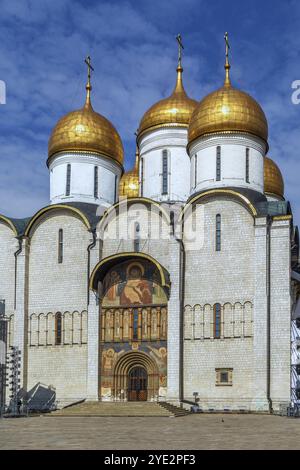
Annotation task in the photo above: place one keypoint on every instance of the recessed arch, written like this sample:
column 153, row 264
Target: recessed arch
column 226, row 192
column 104, row 265
column 51, row 208
column 125, row 364
column 134, row 200
column 8, row 222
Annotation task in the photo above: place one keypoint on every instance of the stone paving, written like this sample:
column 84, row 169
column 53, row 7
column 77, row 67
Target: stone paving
column 189, row 432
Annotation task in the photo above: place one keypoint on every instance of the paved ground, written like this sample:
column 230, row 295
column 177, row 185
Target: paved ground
column 189, row 432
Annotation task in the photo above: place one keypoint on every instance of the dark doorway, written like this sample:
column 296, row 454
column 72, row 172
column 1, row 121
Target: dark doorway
column 137, row 384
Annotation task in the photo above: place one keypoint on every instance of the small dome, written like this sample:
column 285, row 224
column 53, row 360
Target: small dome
column 86, row 130
column 129, row 183
column 228, row 110
column 173, row 111
column 274, row 184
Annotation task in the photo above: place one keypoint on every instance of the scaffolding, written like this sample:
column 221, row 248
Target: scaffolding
column 295, row 366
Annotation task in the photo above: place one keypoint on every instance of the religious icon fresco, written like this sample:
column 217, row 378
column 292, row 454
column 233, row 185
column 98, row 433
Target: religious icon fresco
column 133, row 320
column 133, row 283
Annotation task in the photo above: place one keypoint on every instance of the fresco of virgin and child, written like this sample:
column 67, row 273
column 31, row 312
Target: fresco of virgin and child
column 132, row 284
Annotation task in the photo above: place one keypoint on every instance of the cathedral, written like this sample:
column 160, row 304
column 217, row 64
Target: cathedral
column 175, row 281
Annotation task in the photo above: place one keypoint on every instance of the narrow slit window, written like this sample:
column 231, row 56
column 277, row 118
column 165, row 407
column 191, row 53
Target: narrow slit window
column 135, row 332
column 58, row 329
column 217, row 321
column 142, row 176
column 68, row 180
column 60, row 245
column 116, row 187
column 136, row 236
column 96, row 182
column 247, row 166
column 195, row 171
column 218, row 232
column 218, row 164
column 165, row 172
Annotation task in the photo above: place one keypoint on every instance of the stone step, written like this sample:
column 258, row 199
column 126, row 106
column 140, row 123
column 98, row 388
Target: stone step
column 176, row 410
column 114, row 409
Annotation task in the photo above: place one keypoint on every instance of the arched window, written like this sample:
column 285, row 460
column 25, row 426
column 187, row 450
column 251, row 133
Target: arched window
column 217, row 321
column 68, row 180
column 142, row 176
column 136, row 242
column 135, row 324
column 247, row 166
column 58, row 329
column 195, row 173
column 218, row 164
column 60, row 245
column 96, row 182
column 218, row 232
column 165, row 172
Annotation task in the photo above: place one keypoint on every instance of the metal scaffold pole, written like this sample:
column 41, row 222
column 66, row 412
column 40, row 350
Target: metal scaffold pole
column 3, row 351
column 295, row 367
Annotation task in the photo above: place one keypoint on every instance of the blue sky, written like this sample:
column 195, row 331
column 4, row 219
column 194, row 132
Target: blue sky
column 132, row 43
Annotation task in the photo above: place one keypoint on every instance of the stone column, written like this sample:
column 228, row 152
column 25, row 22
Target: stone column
column 93, row 337
column 281, row 305
column 21, row 311
column 173, row 377
column 259, row 401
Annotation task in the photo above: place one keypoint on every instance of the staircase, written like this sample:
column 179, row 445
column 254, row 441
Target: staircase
column 175, row 410
column 118, row 409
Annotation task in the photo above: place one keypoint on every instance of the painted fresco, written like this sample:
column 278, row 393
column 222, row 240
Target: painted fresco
column 133, row 319
column 112, row 352
column 133, row 283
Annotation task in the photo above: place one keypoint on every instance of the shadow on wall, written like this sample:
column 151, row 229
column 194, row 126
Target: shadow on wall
column 40, row 398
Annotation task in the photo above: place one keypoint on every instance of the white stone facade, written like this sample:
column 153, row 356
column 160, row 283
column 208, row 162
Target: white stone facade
column 249, row 278
column 82, row 178
column 151, row 146
column 228, row 294
column 233, row 151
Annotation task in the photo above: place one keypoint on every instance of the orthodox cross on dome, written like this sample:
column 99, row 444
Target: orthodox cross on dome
column 88, row 87
column 180, row 48
column 87, row 60
column 227, row 64
column 227, row 46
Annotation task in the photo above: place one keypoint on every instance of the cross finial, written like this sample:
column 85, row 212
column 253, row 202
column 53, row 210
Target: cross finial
column 88, row 87
column 87, row 60
column 227, row 64
column 180, row 48
column 227, row 47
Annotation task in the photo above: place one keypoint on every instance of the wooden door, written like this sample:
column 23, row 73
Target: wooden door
column 137, row 384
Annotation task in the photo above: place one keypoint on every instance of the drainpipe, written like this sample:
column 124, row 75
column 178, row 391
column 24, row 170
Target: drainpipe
column 182, row 296
column 16, row 254
column 89, row 248
column 269, row 224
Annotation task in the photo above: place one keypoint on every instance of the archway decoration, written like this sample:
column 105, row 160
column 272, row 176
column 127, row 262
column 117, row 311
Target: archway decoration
column 122, row 370
column 50, row 209
column 101, row 269
column 215, row 192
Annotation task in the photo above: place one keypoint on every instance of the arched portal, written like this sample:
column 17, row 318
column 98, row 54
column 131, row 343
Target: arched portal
column 136, row 377
column 133, row 327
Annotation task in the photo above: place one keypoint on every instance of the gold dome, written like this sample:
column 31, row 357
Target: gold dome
column 173, row 111
column 274, row 184
column 129, row 183
column 228, row 110
column 85, row 130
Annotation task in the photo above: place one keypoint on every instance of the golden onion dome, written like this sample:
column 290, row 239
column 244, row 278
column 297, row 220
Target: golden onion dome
column 228, row 110
column 176, row 110
column 129, row 183
column 273, row 180
column 84, row 130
